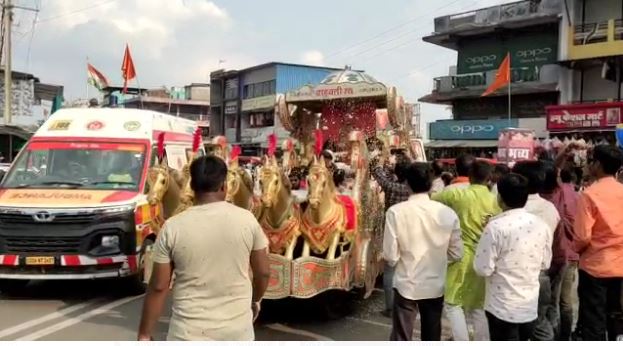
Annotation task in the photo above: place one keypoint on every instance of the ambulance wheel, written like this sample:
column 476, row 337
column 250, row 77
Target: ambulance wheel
column 137, row 284
column 12, row 287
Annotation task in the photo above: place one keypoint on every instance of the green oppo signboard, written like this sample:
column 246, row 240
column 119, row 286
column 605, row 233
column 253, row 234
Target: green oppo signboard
column 527, row 50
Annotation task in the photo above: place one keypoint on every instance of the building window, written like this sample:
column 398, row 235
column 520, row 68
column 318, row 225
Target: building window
column 259, row 89
column 261, row 119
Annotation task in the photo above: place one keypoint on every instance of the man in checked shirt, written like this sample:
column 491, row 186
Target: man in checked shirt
column 392, row 179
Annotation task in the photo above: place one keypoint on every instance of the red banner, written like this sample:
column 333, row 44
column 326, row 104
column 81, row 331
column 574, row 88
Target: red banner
column 515, row 145
column 584, row 116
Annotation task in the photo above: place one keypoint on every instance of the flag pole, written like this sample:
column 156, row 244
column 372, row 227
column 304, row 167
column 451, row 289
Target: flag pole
column 88, row 76
column 510, row 81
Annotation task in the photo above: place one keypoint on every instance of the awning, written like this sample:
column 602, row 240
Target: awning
column 462, row 144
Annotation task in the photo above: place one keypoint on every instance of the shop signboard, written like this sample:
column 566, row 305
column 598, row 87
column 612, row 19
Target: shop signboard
column 527, row 50
column 584, row 116
column 469, row 129
column 516, row 145
column 263, row 102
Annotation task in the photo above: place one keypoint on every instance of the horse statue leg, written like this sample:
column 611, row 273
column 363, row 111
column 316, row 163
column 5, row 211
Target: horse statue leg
column 335, row 241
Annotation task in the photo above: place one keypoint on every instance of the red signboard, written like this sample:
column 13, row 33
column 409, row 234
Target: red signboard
column 515, row 145
column 584, row 116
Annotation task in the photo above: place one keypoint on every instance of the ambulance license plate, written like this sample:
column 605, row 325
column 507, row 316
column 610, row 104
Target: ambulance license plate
column 39, row 261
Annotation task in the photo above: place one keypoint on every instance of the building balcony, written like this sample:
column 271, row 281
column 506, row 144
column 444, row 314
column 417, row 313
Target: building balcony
column 596, row 40
column 515, row 15
column 524, row 81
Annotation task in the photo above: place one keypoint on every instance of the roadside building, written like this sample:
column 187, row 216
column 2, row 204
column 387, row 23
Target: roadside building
column 190, row 102
column 529, row 32
column 243, row 101
column 592, row 71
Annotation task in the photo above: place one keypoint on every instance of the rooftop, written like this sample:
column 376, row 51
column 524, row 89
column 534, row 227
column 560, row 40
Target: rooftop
column 450, row 29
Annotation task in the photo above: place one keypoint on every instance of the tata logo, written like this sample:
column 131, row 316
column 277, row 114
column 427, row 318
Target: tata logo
column 532, row 53
column 481, row 59
column 472, row 129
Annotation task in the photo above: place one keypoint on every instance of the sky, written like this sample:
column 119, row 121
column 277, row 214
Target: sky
column 178, row 42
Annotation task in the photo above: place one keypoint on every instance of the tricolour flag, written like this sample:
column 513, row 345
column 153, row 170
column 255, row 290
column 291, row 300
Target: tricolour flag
column 502, row 78
column 96, row 78
column 127, row 68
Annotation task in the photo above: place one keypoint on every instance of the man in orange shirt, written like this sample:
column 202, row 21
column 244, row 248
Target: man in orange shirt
column 598, row 238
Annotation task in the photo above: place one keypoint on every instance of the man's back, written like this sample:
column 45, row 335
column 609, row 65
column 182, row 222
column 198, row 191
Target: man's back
column 210, row 246
column 511, row 253
column 423, row 230
column 599, row 229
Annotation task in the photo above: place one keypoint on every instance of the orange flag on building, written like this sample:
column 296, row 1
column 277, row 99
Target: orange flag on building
column 502, row 77
column 127, row 68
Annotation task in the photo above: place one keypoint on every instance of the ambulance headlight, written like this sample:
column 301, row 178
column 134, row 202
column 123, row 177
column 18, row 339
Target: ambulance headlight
column 110, row 241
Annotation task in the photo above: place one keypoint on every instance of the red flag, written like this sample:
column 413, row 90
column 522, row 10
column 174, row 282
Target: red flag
column 319, row 140
column 503, row 76
column 127, row 68
column 272, row 144
column 235, row 153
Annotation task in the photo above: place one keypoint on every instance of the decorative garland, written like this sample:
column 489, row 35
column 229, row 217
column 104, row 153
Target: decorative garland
column 287, row 229
column 319, row 235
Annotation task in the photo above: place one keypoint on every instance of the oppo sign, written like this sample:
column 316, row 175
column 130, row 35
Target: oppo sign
column 472, row 129
column 469, row 129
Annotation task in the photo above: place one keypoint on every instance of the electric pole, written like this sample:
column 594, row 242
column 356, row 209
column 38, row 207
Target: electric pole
column 8, row 93
column 7, row 23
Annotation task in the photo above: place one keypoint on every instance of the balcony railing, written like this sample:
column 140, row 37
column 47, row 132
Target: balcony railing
column 594, row 40
column 480, row 80
column 498, row 14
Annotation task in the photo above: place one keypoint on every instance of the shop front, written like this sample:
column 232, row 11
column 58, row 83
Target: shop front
column 593, row 122
column 450, row 138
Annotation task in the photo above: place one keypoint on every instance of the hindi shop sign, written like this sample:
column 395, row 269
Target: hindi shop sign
column 468, row 129
column 584, row 116
column 516, row 145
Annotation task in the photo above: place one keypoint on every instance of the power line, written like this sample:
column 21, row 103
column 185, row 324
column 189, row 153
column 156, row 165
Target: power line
column 388, row 30
column 63, row 15
column 32, row 35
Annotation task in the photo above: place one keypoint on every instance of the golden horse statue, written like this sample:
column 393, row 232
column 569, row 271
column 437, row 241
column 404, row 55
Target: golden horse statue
column 325, row 220
column 165, row 186
column 280, row 218
column 240, row 189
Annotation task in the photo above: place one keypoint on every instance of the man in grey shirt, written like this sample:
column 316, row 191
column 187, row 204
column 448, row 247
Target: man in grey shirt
column 210, row 248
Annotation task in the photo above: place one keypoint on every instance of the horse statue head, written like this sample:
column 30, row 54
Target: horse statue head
column 239, row 186
column 159, row 180
column 321, row 186
column 274, row 183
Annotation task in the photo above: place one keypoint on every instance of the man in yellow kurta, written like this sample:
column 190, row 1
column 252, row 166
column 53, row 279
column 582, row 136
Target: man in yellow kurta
column 465, row 291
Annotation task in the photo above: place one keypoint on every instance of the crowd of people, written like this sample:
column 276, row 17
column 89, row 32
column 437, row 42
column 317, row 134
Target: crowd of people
column 500, row 251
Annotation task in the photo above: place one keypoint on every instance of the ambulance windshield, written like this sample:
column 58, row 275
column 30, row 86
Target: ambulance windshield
column 106, row 166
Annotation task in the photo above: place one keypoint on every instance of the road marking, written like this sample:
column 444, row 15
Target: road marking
column 77, row 319
column 45, row 318
column 374, row 323
column 285, row 329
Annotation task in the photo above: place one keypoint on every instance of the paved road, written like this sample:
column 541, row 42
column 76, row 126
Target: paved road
column 92, row 310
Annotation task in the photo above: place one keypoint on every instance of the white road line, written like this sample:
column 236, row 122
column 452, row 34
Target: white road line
column 45, row 318
column 374, row 323
column 285, row 329
column 75, row 320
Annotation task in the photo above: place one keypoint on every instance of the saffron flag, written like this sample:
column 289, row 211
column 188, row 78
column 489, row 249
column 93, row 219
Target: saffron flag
column 96, row 78
column 502, row 77
column 127, row 68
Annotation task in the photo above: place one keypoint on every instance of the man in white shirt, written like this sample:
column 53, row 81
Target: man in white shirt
column 421, row 237
column 512, row 252
column 438, row 184
column 212, row 247
column 535, row 173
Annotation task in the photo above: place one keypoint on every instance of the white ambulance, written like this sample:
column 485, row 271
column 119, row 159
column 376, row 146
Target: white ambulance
column 74, row 206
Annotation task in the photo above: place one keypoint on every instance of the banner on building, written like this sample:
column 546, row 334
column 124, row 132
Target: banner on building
column 516, row 145
column 527, row 50
column 469, row 129
column 584, row 116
